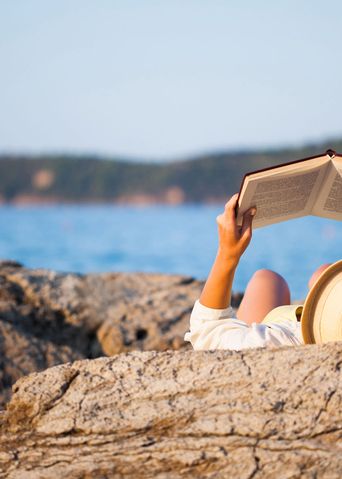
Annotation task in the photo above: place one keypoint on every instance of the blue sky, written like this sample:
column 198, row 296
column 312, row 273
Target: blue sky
column 163, row 79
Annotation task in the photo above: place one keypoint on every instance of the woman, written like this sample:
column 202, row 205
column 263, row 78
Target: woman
column 265, row 316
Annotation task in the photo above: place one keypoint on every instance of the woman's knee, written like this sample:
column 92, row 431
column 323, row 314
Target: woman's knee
column 317, row 273
column 269, row 275
column 266, row 290
column 274, row 280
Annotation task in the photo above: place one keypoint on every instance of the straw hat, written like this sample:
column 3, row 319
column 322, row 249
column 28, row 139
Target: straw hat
column 321, row 319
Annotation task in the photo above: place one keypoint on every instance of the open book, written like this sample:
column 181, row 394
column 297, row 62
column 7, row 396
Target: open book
column 311, row 186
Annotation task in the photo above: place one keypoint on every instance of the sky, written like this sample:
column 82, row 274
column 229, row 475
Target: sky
column 167, row 79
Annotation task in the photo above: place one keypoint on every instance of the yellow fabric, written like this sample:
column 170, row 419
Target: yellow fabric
column 283, row 313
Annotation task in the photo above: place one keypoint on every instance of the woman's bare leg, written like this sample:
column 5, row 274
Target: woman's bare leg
column 317, row 273
column 265, row 291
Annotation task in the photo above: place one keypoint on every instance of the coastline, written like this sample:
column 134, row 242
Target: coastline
column 127, row 200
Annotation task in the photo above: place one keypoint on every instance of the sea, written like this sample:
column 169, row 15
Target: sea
column 160, row 238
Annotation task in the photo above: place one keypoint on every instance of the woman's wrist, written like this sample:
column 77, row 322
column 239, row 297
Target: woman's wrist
column 226, row 259
column 216, row 293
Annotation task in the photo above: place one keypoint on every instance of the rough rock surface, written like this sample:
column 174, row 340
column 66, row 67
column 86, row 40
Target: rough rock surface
column 48, row 318
column 202, row 414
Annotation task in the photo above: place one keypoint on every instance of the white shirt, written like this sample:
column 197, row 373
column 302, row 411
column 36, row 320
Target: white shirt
column 220, row 329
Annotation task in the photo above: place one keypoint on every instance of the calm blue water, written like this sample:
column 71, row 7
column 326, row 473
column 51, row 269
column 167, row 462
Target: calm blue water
column 169, row 239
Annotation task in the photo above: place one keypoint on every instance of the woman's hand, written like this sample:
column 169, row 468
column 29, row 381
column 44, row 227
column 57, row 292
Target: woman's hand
column 233, row 239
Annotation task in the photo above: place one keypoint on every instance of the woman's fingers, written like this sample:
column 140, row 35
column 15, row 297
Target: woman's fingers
column 232, row 201
column 219, row 218
column 233, row 239
column 246, row 228
column 229, row 209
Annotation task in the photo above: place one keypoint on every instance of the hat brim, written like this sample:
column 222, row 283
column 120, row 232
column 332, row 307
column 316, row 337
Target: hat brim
column 321, row 319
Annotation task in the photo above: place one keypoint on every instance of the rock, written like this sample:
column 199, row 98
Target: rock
column 35, row 333
column 22, row 353
column 262, row 413
column 10, row 263
column 48, row 318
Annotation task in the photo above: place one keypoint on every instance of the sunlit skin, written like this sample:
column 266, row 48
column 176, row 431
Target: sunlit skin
column 265, row 291
column 233, row 241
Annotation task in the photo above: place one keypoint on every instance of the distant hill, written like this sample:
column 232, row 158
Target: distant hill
column 67, row 178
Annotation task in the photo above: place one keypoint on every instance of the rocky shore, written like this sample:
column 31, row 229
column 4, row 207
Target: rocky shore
column 49, row 318
column 153, row 408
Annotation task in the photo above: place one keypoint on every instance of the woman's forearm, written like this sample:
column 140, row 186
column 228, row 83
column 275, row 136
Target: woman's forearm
column 233, row 240
column 218, row 287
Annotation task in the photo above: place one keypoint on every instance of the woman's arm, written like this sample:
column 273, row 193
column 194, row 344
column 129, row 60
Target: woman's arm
column 212, row 323
column 233, row 241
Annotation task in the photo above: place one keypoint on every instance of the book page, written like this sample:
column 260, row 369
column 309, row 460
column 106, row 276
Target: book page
column 330, row 205
column 282, row 196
